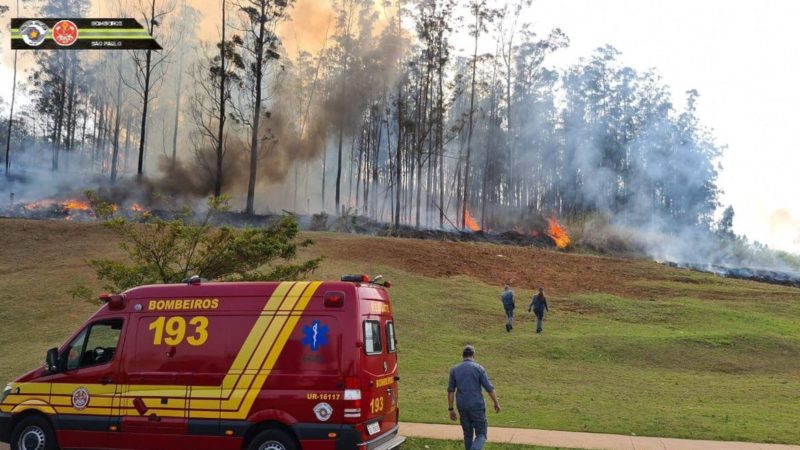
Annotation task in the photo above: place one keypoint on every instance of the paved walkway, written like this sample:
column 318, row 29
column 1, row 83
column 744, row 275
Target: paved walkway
column 571, row 439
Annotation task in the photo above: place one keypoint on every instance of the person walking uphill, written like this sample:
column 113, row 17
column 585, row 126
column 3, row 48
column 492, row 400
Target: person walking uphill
column 508, row 304
column 466, row 381
column 539, row 306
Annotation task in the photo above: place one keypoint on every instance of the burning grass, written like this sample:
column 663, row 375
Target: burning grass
column 471, row 224
column 69, row 209
column 558, row 233
column 544, row 233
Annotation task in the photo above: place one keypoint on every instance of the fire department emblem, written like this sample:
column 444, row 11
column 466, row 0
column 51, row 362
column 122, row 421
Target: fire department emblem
column 80, row 398
column 65, row 33
column 323, row 411
column 33, row 32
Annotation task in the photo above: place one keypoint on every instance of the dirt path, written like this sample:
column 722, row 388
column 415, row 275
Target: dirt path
column 582, row 440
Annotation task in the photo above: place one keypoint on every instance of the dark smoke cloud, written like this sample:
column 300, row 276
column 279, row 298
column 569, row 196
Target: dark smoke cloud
column 339, row 102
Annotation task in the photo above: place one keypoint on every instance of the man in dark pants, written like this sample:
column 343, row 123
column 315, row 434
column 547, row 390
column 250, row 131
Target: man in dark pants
column 507, row 297
column 466, row 381
column 539, row 305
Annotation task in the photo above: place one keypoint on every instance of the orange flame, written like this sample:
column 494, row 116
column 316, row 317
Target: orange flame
column 76, row 205
column 137, row 208
column 558, row 234
column 470, row 222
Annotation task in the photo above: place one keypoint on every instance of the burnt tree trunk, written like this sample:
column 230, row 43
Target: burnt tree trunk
column 146, row 95
column 221, row 130
column 117, row 120
column 471, row 114
column 259, row 75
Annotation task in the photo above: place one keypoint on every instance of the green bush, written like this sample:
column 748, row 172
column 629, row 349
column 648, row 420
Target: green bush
column 169, row 251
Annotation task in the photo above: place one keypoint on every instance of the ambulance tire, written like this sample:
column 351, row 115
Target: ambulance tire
column 33, row 433
column 272, row 439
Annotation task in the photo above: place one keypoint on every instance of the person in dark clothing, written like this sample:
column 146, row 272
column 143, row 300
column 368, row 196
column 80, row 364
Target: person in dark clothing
column 539, row 306
column 464, row 386
column 508, row 304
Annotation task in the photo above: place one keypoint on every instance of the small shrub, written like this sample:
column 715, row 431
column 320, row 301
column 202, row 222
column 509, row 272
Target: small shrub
column 319, row 222
column 102, row 210
column 345, row 223
column 169, row 251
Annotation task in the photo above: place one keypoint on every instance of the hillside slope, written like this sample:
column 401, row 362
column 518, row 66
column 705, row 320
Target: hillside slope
column 630, row 346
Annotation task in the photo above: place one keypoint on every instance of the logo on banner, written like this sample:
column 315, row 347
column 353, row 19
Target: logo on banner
column 33, row 32
column 65, row 33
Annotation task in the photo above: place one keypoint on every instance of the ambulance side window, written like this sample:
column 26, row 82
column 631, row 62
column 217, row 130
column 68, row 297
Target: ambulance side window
column 391, row 343
column 96, row 345
column 372, row 337
column 75, row 350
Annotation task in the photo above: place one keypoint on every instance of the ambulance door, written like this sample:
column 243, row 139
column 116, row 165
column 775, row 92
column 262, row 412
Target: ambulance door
column 390, row 380
column 153, row 399
column 83, row 391
column 379, row 368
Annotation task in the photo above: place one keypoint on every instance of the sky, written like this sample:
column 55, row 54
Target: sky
column 743, row 56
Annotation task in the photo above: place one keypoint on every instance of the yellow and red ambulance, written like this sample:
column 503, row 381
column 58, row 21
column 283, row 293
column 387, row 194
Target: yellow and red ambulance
column 217, row 366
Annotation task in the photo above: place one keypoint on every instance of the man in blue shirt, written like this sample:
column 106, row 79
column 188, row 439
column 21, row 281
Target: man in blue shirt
column 539, row 305
column 466, row 381
column 507, row 297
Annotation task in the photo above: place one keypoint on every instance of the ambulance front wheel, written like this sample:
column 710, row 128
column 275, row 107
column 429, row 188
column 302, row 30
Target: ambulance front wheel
column 272, row 440
column 33, row 433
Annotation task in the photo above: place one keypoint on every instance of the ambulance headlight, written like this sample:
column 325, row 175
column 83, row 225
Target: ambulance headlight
column 6, row 393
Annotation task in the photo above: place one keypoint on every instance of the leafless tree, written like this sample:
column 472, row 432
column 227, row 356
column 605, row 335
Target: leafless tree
column 149, row 70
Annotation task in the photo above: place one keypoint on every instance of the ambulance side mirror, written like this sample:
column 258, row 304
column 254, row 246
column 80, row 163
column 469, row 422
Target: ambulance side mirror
column 52, row 360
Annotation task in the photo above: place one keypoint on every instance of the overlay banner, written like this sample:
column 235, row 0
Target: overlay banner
column 80, row 34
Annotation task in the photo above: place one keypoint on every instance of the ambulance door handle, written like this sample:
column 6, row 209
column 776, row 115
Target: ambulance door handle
column 106, row 380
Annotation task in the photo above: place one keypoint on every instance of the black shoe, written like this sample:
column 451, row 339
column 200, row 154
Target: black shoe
column 508, row 328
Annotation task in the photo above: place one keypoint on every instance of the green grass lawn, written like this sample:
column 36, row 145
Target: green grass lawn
column 693, row 356
column 680, row 367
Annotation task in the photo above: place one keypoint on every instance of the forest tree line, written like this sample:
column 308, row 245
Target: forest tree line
column 382, row 117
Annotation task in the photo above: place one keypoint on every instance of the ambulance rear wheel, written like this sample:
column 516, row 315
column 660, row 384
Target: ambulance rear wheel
column 33, row 433
column 272, row 440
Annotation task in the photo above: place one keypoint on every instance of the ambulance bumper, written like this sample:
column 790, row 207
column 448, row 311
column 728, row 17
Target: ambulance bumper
column 388, row 441
column 5, row 427
column 395, row 442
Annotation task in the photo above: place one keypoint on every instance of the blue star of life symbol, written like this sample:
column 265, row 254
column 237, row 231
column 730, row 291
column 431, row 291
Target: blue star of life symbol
column 316, row 335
